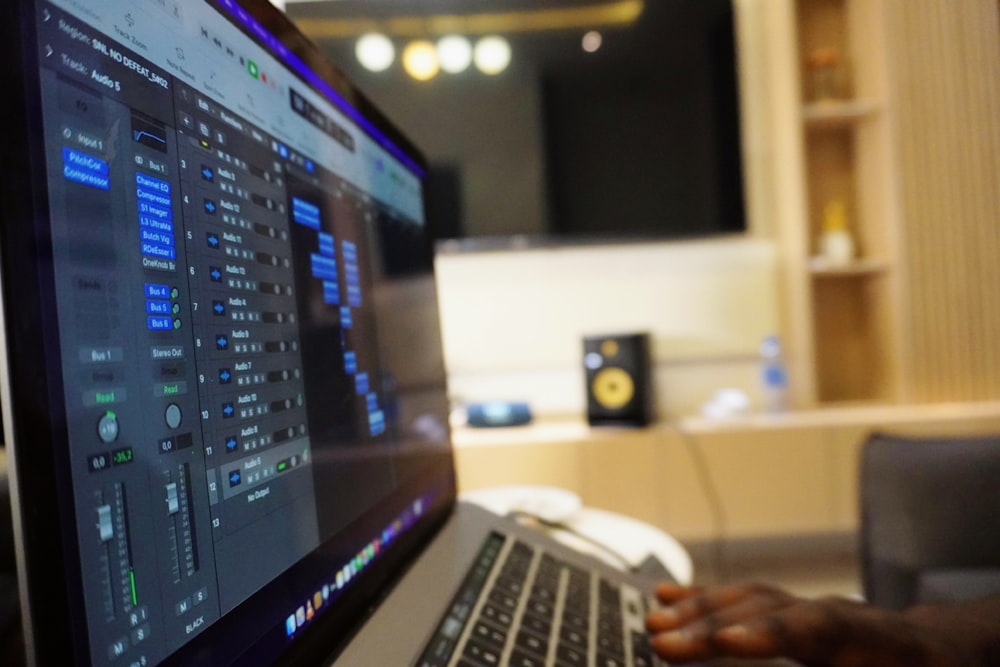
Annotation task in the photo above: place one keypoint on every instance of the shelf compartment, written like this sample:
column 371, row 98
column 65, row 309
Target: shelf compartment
column 862, row 267
column 852, row 352
column 837, row 113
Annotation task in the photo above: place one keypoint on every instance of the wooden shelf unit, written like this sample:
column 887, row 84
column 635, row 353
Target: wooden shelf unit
column 858, row 268
column 845, row 156
column 837, row 113
column 909, row 140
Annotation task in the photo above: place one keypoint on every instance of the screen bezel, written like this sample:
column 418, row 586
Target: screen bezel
column 50, row 579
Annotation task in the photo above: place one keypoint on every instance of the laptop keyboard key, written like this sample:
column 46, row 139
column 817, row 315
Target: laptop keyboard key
column 611, row 645
column 574, row 637
column 539, row 626
column 605, row 660
column 532, row 643
column 521, row 659
column 575, row 621
column 489, row 635
column 543, row 593
column 510, row 585
column 540, row 609
column 497, row 616
column 481, row 654
column 641, row 660
column 570, row 657
column 642, row 652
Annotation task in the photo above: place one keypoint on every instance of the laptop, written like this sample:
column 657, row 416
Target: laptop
column 225, row 405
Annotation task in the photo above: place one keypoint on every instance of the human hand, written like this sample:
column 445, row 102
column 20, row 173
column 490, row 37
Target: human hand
column 758, row 621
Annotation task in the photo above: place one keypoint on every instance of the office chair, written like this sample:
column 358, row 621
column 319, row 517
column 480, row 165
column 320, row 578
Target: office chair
column 930, row 519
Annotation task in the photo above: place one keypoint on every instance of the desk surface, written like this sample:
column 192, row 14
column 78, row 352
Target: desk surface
column 567, row 428
column 760, row 476
column 870, row 414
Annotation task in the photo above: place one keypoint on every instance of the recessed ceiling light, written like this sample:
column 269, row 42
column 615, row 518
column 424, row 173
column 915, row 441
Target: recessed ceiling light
column 492, row 54
column 375, row 52
column 592, row 41
column 455, row 53
column 420, row 60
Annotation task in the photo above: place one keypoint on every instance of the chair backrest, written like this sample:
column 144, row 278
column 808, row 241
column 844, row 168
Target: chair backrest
column 926, row 503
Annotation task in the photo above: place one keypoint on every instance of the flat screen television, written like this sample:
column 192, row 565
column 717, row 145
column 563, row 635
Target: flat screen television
column 639, row 139
column 646, row 141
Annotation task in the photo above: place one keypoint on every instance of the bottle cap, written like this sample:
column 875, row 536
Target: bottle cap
column 771, row 346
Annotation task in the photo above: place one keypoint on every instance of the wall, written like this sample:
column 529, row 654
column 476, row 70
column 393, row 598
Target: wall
column 513, row 321
column 946, row 67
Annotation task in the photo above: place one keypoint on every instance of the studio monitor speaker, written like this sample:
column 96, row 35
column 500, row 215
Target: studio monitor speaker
column 619, row 379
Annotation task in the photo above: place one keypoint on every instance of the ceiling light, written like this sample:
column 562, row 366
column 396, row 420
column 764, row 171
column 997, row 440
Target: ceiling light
column 455, row 53
column 420, row 60
column 375, row 52
column 492, row 55
column 592, row 41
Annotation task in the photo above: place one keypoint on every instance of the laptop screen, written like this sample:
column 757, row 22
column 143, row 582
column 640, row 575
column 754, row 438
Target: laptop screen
column 227, row 403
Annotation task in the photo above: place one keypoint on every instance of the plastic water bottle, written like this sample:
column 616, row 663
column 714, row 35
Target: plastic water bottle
column 773, row 375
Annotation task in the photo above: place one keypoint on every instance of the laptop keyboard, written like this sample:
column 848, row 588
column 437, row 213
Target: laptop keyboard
column 520, row 606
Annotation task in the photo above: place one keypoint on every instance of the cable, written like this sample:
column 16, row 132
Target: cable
column 715, row 505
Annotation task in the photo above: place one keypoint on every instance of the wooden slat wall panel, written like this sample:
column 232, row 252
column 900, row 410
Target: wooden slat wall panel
column 945, row 89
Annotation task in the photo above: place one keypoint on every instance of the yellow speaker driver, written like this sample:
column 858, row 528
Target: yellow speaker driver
column 613, row 388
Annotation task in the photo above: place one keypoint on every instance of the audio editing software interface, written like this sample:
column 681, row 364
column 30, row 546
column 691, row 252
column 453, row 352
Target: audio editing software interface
column 210, row 274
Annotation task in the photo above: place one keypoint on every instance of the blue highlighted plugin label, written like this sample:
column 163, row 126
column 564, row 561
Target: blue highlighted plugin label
column 376, row 423
column 305, row 214
column 150, row 184
column 161, row 238
column 158, row 323
column 327, row 247
column 353, row 295
column 85, row 169
column 153, row 197
column 155, row 307
column 331, row 293
column 155, row 291
column 350, row 362
column 156, row 217
column 156, row 227
column 323, row 267
column 361, row 386
column 159, row 251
